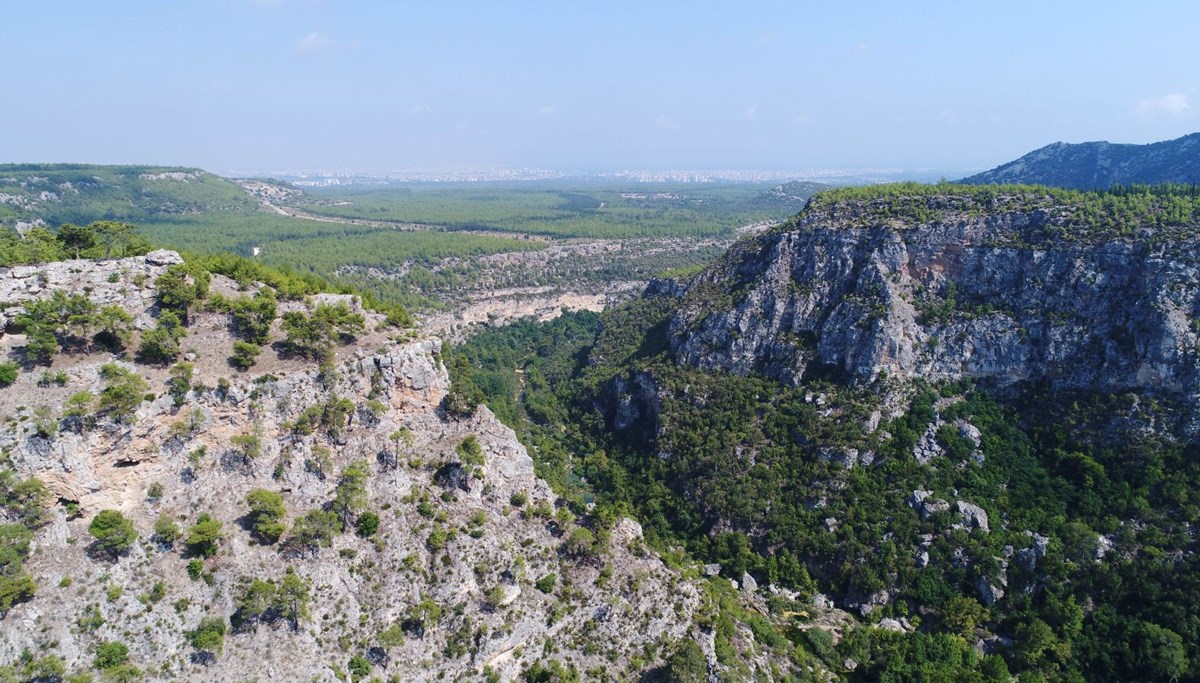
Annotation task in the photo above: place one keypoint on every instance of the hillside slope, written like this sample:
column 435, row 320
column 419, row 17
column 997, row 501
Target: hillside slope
column 298, row 520
column 52, row 194
column 1100, row 165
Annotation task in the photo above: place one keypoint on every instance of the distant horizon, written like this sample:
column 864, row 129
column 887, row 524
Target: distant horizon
column 536, row 173
column 529, row 174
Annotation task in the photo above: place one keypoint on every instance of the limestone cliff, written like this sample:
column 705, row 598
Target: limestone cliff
column 944, row 286
column 479, row 536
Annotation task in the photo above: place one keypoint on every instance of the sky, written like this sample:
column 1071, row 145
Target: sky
column 588, row 86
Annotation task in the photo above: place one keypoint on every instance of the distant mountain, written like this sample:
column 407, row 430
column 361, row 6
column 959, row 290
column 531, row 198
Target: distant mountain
column 1097, row 165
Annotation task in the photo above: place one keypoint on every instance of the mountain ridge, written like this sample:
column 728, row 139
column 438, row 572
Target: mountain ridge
column 1101, row 164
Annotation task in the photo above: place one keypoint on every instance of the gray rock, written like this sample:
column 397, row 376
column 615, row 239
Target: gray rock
column 989, row 592
column 838, row 290
column 968, row 431
column 873, row 602
column 846, row 457
column 749, row 584
column 636, row 399
column 973, row 516
column 914, row 501
column 993, row 644
column 932, row 506
column 162, row 257
column 927, row 447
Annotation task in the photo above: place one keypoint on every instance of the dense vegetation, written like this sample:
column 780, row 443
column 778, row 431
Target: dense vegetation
column 588, row 210
column 743, row 472
column 1121, row 211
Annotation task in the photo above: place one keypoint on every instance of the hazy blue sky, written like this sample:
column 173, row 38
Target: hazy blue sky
column 342, row 84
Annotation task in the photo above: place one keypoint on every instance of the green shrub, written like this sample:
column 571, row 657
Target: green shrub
column 359, row 666
column 368, row 524
column 203, row 537
column 249, row 446
column 313, row 531
column 266, row 515
column 180, row 382
column 688, row 664
column 313, row 336
column 166, row 531
column 469, row 451
column 8, row 373
column 160, row 345
column 195, row 569
column 421, row 617
column 110, row 654
column 209, row 635
column 245, row 354
column 114, row 533
column 393, row 636
column 546, row 583
column 581, row 543
column 350, row 496
column 124, row 391
column 59, row 378
column 554, row 672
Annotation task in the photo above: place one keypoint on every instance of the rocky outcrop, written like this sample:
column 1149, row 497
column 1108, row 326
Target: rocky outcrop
column 980, row 292
column 124, row 282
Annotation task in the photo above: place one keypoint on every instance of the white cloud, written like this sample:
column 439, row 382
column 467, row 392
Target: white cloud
column 546, row 112
column 419, row 109
column 1174, row 104
column 313, row 42
column 801, row 120
column 751, row 112
column 947, row 116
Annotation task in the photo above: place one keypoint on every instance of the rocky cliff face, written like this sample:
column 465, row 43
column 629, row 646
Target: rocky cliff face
column 485, row 541
column 1006, row 295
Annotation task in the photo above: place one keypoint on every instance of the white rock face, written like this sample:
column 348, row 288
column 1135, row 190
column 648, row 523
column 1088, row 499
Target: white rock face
column 834, row 291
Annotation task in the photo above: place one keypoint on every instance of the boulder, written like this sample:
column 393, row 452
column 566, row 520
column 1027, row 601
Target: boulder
column 973, row 516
